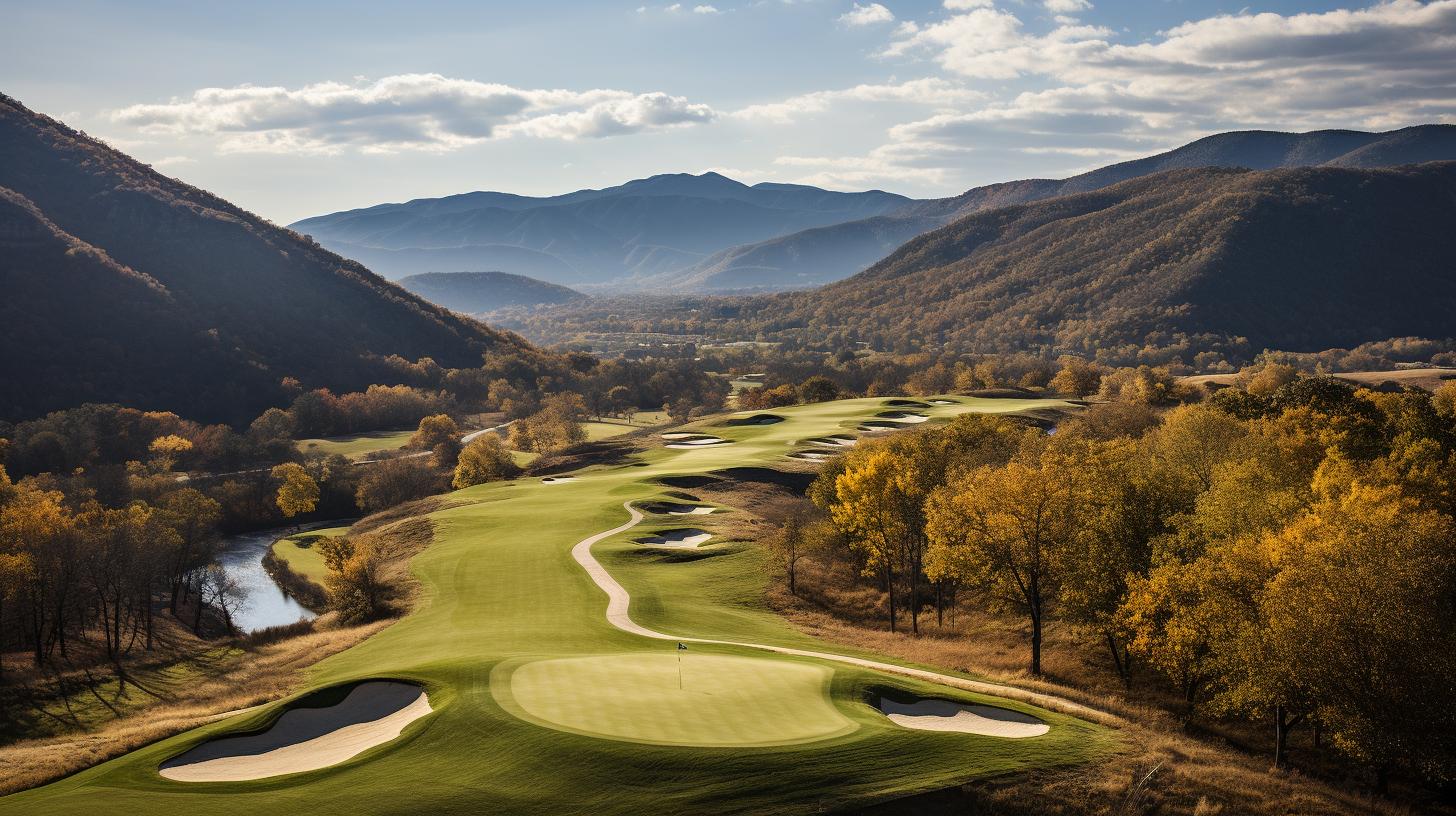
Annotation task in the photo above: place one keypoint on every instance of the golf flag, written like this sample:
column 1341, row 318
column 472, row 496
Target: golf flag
column 682, row 648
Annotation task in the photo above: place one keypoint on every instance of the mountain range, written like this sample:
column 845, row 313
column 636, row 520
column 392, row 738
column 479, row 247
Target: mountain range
column 123, row 285
column 640, row 229
column 1174, row 262
column 707, row 233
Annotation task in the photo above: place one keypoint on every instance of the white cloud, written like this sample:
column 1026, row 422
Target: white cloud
column 866, row 15
column 173, row 161
column 1074, row 94
column 404, row 112
column 706, row 9
column 1066, row 6
column 929, row 91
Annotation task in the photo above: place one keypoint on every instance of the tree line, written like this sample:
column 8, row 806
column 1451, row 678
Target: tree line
column 1283, row 553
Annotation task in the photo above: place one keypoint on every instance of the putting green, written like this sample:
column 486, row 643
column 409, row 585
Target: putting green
column 724, row 700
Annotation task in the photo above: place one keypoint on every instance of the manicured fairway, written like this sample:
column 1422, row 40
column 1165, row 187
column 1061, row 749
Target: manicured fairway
column 501, row 592
column 718, row 700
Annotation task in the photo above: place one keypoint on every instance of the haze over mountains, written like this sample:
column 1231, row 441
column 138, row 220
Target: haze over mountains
column 122, row 285
column 1300, row 259
column 636, row 230
column 478, row 292
column 695, row 234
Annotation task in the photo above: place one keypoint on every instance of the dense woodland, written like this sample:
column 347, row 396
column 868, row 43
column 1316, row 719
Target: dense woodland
column 1282, row 553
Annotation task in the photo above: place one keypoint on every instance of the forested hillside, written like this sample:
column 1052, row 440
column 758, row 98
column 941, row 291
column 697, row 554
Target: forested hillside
column 124, row 285
column 476, row 292
column 820, row 256
column 1185, row 260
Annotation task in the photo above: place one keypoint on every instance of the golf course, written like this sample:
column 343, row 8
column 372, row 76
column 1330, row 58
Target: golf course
column 599, row 643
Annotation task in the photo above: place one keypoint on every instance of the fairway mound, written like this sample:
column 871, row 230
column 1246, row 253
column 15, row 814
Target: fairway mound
column 756, row 419
column 320, row 730
column 907, row 403
column 662, row 508
column 907, row 417
column 944, row 715
column 558, row 479
column 723, row 701
column 685, row 538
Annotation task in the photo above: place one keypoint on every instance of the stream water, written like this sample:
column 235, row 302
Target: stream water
column 266, row 604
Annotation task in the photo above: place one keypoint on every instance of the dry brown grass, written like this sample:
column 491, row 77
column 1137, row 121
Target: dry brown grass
column 246, row 679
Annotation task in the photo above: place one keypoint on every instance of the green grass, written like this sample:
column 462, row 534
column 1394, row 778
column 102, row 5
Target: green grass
column 302, row 557
column 667, row 699
column 501, row 594
column 357, row 446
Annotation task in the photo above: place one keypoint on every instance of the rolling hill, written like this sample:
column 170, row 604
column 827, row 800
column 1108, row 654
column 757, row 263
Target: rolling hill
column 477, row 292
column 817, row 256
column 123, row 285
column 642, row 228
column 1297, row 259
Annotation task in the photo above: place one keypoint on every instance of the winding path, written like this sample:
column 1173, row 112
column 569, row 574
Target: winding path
column 618, row 601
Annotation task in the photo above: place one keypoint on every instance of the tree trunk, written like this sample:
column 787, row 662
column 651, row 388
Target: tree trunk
column 1036, row 644
column 1283, row 724
column 1119, row 659
column 890, row 585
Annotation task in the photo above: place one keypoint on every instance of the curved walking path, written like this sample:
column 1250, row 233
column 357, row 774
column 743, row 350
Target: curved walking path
column 618, row 601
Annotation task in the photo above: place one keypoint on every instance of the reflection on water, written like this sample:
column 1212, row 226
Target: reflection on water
column 266, row 605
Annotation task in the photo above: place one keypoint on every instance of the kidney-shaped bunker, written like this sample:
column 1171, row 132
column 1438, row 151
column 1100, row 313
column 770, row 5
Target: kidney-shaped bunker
column 320, row 730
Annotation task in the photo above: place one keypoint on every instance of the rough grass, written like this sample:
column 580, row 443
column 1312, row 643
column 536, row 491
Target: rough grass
column 357, row 446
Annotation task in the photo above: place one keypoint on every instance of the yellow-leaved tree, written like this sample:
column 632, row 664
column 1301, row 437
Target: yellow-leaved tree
column 297, row 491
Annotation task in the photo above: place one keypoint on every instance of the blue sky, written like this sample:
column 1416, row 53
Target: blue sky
column 294, row 109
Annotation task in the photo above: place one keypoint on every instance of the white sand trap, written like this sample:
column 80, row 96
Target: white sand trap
column 944, row 402
column 833, row 442
column 689, row 444
column 558, row 479
column 695, row 511
column 677, row 539
column 679, row 435
column 816, row 456
column 306, row 739
column 943, row 715
column 902, row 416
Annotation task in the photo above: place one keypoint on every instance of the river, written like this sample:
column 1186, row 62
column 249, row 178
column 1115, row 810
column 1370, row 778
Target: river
column 266, row 604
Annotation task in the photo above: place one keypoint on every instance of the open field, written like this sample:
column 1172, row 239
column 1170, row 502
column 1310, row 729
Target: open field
column 358, row 445
column 508, row 621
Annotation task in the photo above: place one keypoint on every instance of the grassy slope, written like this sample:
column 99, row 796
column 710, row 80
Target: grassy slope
column 500, row 585
column 302, row 559
column 358, row 445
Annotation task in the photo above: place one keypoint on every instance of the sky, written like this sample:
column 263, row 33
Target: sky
column 297, row 109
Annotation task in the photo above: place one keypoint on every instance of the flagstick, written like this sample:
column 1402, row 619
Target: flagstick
column 679, row 670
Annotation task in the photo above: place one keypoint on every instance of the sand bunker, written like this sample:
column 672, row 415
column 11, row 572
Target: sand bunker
column 558, row 479
column 676, row 509
column 698, row 442
column 902, row 416
column 684, row 539
column 832, row 441
column 812, row 455
column 306, row 739
column 944, row 402
column 944, row 715
column 756, row 419
column 873, row 425
column 680, row 435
